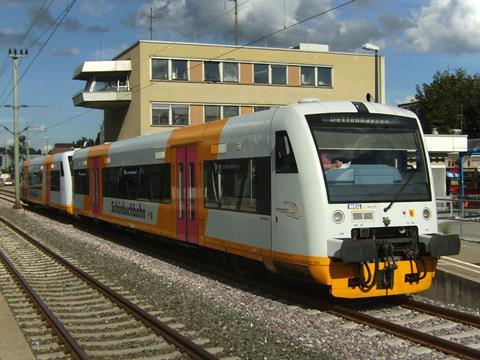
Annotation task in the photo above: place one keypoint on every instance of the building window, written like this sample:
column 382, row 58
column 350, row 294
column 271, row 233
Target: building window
column 179, row 70
column 160, row 69
column 160, row 114
column 212, row 112
column 165, row 115
column 324, row 76
column 179, row 115
column 260, row 108
column 261, row 74
column 308, row 75
column 230, row 72
column 279, row 74
column 212, row 71
column 230, row 111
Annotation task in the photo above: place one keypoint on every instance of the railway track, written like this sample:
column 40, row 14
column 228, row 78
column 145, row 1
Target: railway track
column 460, row 326
column 80, row 317
column 453, row 332
column 7, row 195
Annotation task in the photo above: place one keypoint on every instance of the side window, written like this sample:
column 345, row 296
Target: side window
column 55, row 180
column 284, row 157
column 80, row 181
column 238, row 185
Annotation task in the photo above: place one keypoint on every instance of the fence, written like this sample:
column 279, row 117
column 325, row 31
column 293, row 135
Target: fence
column 459, row 208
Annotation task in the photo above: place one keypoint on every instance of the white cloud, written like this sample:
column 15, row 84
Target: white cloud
column 445, row 26
column 187, row 20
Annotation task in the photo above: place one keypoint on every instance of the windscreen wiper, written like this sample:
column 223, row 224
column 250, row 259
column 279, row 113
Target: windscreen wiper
column 395, row 198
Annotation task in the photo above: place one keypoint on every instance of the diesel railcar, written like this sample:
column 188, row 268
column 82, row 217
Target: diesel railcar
column 47, row 181
column 338, row 193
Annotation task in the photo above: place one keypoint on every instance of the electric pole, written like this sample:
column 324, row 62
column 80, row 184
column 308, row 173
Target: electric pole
column 151, row 23
column 22, row 53
column 236, row 22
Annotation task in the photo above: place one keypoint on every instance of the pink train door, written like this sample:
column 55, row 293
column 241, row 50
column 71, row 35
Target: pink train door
column 95, row 181
column 186, row 184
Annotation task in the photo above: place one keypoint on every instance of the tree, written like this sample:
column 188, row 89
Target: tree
column 83, row 142
column 450, row 101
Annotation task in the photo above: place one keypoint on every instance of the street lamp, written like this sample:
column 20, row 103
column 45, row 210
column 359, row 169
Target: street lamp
column 371, row 47
column 46, row 149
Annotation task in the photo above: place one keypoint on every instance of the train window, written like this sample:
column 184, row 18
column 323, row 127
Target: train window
column 238, row 185
column 181, row 187
column 35, row 180
column 55, row 180
column 70, row 164
column 370, row 157
column 191, row 189
column 285, row 158
column 143, row 183
column 80, row 181
column 61, row 169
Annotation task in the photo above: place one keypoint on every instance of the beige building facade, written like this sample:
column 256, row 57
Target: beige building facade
column 153, row 85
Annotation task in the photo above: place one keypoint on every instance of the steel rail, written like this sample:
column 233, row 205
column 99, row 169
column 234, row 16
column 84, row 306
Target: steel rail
column 419, row 337
column 70, row 344
column 171, row 335
column 416, row 336
column 439, row 311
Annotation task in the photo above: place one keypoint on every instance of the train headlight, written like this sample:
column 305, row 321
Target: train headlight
column 338, row 217
column 427, row 214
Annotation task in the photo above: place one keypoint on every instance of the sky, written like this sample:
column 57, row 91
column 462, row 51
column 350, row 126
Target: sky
column 417, row 38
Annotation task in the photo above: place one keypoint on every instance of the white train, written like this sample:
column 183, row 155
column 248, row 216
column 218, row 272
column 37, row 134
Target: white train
column 339, row 193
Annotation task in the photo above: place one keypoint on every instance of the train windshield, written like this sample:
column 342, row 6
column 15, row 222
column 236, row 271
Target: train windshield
column 370, row 157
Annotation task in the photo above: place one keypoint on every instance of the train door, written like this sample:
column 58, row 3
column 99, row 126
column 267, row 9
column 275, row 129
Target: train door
column 287, row 209
column 186, row 202
column 47, row 168
column 95, row 186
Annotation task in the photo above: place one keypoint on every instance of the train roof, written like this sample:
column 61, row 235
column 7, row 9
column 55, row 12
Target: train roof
column 310, row 106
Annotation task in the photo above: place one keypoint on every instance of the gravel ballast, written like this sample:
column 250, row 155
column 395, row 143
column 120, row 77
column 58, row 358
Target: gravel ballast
column 243, row 321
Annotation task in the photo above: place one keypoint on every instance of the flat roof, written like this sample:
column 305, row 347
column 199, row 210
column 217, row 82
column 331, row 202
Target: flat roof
column 238, row 47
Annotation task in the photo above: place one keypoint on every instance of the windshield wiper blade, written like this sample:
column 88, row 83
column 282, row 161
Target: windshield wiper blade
column 395, row 198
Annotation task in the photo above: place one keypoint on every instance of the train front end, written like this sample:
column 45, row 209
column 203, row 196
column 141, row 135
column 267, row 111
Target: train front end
column 374, row 213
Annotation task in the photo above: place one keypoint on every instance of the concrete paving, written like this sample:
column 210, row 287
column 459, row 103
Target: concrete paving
column 13, row 344
column 457, row 279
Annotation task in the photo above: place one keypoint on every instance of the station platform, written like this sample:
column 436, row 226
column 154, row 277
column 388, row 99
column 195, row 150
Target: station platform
column 457, row 280
column 13, row 344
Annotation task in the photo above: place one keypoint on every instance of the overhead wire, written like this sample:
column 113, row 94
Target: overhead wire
column 34, row 21
column 58, row 22
column 345, row 3
column 207, row 23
